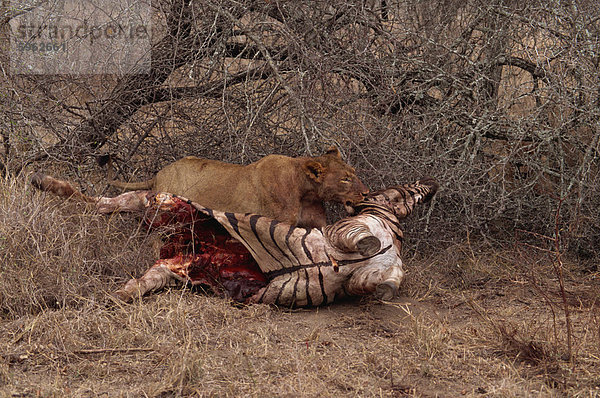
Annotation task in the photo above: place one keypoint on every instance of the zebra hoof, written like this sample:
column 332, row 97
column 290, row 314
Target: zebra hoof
column 122, row 295
column 37, row 180
column 386, row 291
column 368, row 246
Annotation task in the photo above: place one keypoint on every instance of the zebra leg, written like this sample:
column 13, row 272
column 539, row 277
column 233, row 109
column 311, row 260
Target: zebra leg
column 388, row 289
column 126, row 202
column 261, row 297
column 157, row 277
column 280, row 291
column 350, row 236
column 292, row 291
column 383, row 282
column 58, row 187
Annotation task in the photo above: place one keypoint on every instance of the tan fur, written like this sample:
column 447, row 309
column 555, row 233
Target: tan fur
column 284, row 188
column 59, row 187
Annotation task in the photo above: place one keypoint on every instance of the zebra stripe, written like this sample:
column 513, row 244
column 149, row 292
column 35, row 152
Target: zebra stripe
column 295, row 291
column 234, row 227
column 253, row 221
column 309, row 301
column 306, row 251
column 323, row 294
column 282, row 288
column 296, row 260
column 272, row 227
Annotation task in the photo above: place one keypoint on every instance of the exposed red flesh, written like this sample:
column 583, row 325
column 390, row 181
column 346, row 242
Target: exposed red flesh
column 199, row 249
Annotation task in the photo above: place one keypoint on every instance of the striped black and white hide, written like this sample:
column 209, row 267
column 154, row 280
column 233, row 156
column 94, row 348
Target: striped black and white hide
column 358, row 255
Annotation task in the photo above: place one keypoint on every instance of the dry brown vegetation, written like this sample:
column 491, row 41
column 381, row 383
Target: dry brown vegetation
column 467, row 323
column 498, row 100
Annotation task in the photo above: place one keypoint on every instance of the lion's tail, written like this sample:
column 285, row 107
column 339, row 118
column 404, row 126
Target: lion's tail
column 130, row 186
column 61, row 188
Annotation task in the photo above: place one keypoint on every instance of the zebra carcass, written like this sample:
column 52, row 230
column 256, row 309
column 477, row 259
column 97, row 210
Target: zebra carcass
column 256, row 259
column 283, row 265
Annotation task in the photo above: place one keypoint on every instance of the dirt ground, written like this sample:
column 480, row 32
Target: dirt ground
column 486, row 342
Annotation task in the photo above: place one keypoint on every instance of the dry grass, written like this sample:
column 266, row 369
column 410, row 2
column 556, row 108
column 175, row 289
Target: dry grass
column 56, row 254
column 469, row 324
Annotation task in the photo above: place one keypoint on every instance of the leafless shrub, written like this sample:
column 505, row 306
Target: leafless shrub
column 554, row 251
column 547, row 339
column 497, row 100
column 528, row 350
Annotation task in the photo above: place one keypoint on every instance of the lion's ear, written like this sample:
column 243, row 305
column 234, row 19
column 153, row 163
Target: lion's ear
column 332, row 150
column 314, row 170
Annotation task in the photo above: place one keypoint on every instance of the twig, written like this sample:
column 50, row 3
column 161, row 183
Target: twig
column 557, row 263
column 112, row 350
column 558, row 267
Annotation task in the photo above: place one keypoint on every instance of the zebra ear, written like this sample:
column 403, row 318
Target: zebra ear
column 432, row 187
column 314, row 170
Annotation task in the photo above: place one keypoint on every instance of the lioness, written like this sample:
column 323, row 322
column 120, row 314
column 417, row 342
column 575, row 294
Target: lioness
column 284, row 188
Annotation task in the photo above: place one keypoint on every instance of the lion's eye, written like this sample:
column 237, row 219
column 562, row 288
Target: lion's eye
column 346, row 180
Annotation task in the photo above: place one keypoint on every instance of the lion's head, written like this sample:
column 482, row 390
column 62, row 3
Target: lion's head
column 335, row 180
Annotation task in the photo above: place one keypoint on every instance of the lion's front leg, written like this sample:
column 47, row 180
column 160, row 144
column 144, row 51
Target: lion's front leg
column 311, row 215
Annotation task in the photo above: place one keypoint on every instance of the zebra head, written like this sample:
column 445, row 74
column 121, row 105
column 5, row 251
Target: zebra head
column 399, row 199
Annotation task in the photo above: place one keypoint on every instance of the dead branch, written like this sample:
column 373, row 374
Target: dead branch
column 113, row 350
